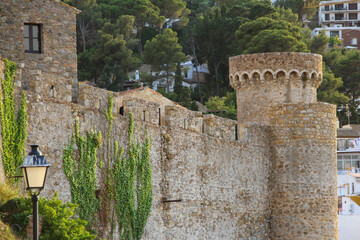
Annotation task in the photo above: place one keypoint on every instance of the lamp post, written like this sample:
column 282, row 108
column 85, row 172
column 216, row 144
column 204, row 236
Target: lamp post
column 35, row 169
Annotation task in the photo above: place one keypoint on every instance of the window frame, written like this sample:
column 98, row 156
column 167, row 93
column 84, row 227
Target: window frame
column 32, row 39
column 353, row 41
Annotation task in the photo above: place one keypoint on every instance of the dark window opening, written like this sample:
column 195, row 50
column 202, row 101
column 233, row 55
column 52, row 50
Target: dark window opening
column 339, row 16
column 327, row 16
column 326, row 8
column 339, row 7
column 353, row 16
column 236, row 132
column 352, row 6
column 334, row 33
column 121, row 111
column 160, row 116
column 32, row 38
column 144, row 115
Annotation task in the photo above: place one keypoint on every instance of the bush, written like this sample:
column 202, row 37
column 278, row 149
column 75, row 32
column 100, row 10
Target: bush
column 7, row 192
column 58, row 221
column 5, row 232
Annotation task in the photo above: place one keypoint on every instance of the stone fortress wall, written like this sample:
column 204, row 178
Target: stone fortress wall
column 269, row 175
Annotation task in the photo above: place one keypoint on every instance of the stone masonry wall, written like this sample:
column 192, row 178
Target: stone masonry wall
column 53, row 72
column 279, row 90
column 223, row 183
column 303, row 172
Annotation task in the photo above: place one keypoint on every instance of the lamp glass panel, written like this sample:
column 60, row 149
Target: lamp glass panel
column 36, row 176
column 24, row 174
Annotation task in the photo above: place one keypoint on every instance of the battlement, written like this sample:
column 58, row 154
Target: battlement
column 301, row 69
column 265, row 80
column 93, row 97
column 155, row 109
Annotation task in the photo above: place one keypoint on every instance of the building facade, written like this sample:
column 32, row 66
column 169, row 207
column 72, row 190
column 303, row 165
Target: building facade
column 342, row 19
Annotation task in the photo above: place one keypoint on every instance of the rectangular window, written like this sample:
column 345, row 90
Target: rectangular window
column 334, row 33
column 352, row 187
column 353, row 16
column 340, row 166
column 339, row 7
column 352, row 6
column 32, row 38
column 339, row 16
column 326, row 8
column 327, row 16
column 354, row 41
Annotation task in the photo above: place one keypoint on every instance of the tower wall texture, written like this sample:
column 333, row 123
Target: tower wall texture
column 303, row 173
column 279, row 90
column 264, row 80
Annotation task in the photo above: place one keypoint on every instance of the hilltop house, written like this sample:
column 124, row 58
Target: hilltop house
column 188, row 72
column 340, row 19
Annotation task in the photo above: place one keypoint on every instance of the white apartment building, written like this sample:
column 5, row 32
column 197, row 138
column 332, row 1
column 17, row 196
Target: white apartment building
column 339, row 15
column 340, row 18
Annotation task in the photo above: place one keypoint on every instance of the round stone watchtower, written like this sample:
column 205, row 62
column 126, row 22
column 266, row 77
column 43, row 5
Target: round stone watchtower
column 265, row 79
column 278, row 90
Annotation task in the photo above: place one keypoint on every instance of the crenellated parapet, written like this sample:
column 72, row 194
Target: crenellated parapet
column 266, row 79
column 254, row 70
column 261, row 68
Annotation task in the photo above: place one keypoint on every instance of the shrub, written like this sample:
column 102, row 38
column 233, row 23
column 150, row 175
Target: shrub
column 7, row 192
column 58, row 221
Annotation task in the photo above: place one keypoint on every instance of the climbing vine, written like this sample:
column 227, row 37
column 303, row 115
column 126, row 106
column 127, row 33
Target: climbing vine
column 125, row 184
column 80, row 169
column 133, row 192
column 14, row 129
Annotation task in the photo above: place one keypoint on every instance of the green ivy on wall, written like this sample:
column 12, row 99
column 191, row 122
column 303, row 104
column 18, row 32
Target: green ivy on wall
column 125, row 181
column 14, row 130
column 133, row 192
column 80, row 170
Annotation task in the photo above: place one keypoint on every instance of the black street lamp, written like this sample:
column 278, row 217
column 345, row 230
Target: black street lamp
column 35, row 169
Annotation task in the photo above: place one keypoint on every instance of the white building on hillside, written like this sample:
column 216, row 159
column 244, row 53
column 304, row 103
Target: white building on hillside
column 189, row 74
column 340, row 18
column 348, row 165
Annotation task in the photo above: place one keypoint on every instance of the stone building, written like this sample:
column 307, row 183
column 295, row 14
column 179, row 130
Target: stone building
column 269, row 175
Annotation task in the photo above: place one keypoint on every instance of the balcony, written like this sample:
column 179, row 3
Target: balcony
column 340, row 19
column 334, row 9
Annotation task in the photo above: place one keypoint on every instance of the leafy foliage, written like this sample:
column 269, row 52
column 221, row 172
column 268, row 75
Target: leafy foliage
column 80, row 170
column 329, row 89
column 133, row 192
column 348, row 67
column 125, row 183
column 7, row 192
column 58, row 221
column 224, row 106
column 163, row 53
column 13, row 128
column 268, row 35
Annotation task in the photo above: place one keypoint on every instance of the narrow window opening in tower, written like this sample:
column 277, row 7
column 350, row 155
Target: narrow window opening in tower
column 159, row 116
column 144, row 115
column 236, row 132
column 121, row 111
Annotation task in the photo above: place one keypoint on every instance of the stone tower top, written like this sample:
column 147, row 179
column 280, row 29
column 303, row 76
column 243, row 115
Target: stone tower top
column 265, row 80
column 253, row 68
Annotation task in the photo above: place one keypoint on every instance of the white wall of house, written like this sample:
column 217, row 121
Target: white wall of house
column 349, row 207
column 188, row 71
column 345, row 185
column 349, row 227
